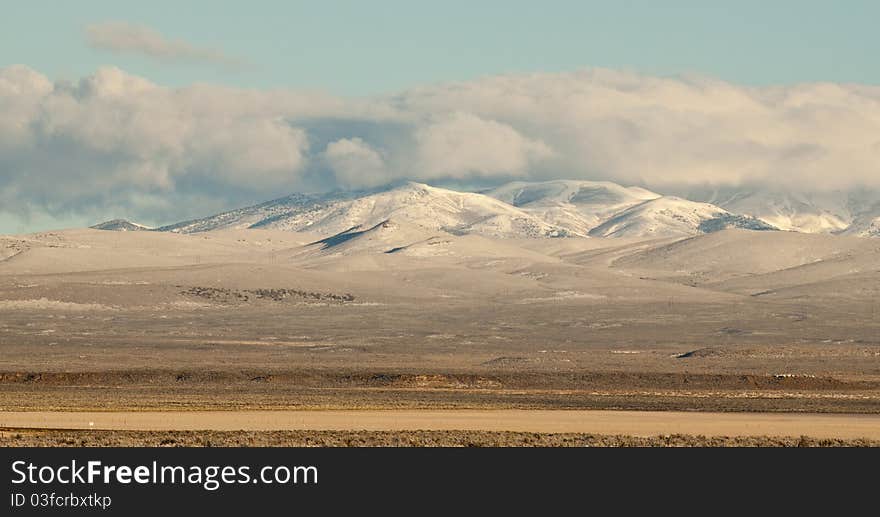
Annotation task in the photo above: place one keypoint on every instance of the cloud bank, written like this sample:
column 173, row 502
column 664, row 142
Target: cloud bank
column 114, row 144
column 126, row 37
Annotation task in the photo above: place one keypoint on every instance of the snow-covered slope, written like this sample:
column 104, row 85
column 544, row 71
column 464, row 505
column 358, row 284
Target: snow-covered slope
column 388, row 236
column 560, row 208
column 248, row 217
column 866, row 224
column 121, row 225
column 578, row 206
column 731, row 254
column 670, row 216
column 806, row 212
column 428, row 207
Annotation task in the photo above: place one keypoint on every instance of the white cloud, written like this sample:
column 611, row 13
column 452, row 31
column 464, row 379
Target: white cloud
column 119, row 36
column 461, row 144
column 21, row 91
column 113, row 136
column 114, row 140
column 642, row 129
column 355, row 164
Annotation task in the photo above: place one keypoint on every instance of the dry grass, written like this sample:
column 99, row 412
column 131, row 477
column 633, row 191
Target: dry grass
column 45, row 438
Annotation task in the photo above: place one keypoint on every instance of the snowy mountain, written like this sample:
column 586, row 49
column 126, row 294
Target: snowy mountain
column 427, row 207
column 806, row 212
column 671, row 216
column 121, row 225
column 248, row 217
column 578, row 206
column 559, row 208
column 866, row 224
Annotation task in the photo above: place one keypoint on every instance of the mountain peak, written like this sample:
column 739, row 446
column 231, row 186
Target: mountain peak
column 673, row 216
column 431, row 208
column 555, row 208
column 120, row 225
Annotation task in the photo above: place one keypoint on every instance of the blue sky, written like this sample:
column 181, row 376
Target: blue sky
column 166, row 110
column 360, row 48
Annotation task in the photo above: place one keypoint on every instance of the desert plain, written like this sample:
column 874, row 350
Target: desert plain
column 405, row 332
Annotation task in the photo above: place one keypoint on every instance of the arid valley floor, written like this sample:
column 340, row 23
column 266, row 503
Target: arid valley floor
column 402, row 319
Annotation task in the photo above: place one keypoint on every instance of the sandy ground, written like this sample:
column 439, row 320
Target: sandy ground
column 633, row 423
column 747, row 322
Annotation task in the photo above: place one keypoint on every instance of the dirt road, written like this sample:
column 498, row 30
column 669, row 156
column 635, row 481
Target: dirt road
column 635, row 423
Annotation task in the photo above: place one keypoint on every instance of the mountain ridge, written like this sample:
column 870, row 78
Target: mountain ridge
column 554, row 208
column 121, row 225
